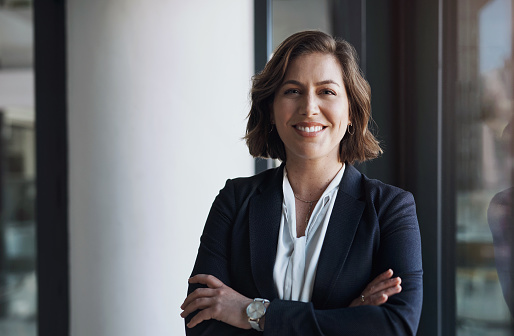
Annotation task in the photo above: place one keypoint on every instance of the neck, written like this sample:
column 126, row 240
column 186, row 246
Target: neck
column 309, row 179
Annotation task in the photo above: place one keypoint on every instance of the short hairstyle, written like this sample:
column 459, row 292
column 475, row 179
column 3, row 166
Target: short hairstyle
column 262, row 138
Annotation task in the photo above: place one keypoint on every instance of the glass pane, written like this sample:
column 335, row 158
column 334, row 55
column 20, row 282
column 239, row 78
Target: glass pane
column 483, row 166
column 17, row 171
column 291, row 16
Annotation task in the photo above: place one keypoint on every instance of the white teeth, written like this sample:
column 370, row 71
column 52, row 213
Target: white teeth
column 309, row 129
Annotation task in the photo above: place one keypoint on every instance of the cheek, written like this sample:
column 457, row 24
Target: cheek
column 342, row 116
column 280, row 112
column 346, row 115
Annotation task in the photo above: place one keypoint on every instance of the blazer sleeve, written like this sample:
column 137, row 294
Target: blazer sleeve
column 213, row 258
column 400, row 250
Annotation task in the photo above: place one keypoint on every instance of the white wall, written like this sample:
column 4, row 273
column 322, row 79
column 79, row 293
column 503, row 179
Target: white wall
column 158, row 94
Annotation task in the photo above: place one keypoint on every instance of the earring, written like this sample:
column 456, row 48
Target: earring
column 271, row 130
column 348, row 129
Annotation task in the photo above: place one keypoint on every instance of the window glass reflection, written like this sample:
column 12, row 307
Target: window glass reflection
column 483, row 166
column 17, row 171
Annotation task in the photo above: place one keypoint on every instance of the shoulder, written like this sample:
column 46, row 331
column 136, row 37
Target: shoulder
column 367, row 189
column 380, row 191
column 242, row 188
column 383, row 198
column 256, row 181
column 503, row 198
column 393, row 208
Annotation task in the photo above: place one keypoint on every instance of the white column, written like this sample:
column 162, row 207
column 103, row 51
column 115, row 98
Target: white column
column 158, row 95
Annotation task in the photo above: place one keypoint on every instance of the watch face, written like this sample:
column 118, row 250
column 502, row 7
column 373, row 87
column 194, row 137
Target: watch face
column 255, row 310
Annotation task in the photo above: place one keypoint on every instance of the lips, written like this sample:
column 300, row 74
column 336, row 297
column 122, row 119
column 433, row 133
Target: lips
column 310, row 129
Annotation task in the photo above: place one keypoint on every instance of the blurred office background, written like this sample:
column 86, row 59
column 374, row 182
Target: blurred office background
column 120, row 121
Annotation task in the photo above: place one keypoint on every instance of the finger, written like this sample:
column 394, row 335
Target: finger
column 392, row 290
column 383, row 285
column 372, row 300
column 206, row 279
column 378, row 299
column 381, row 277
column 382, row 296
column 197, row 293
column 198, row 304
column 202, row 315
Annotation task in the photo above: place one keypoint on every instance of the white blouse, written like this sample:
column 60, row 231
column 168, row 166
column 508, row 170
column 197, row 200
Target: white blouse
column 297, row 258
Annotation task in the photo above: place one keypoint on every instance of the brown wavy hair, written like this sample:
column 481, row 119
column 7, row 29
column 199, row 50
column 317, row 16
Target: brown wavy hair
column 263, row 140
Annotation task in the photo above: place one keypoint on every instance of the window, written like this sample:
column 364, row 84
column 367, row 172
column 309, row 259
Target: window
column 18, row 285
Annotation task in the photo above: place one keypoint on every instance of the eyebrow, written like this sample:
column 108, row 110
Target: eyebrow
column 327, row 81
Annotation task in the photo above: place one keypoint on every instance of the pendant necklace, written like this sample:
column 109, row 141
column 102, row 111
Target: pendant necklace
column 310, row 208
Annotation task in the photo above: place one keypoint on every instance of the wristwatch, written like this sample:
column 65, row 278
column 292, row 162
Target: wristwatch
column 256, row 311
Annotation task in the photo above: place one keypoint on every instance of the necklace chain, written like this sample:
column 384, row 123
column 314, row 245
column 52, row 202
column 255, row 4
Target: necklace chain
column 304, row 201
column 309, row 212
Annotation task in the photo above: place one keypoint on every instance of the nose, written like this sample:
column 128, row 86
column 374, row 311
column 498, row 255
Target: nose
column 311, row 104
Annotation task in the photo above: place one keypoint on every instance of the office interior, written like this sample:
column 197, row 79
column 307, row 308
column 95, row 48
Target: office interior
column 120, row 121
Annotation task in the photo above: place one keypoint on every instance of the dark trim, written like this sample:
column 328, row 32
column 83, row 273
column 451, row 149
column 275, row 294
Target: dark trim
column 51, row 167
column 381, row 63
column 348, row 21
column 263, row 25
column 425, row 95
column 404, row 103
column 448, row 264
column 263, row 17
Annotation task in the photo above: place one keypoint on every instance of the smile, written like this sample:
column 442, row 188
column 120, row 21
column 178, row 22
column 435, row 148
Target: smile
column 311, row 129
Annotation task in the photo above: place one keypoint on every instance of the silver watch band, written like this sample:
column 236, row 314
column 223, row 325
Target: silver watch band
column 254, row 322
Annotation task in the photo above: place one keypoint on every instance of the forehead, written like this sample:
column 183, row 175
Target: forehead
column 315, row 66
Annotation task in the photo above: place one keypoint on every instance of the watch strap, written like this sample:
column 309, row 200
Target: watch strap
column 254, row 323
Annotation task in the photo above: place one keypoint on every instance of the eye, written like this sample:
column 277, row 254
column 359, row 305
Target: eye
column 292, row 91
column 328, row 91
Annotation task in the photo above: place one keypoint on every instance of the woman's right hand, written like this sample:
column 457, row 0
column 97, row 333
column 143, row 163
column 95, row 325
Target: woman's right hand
column 379, row 290
column 217, row 301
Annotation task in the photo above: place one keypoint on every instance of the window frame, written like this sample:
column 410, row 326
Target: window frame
column 51, row 168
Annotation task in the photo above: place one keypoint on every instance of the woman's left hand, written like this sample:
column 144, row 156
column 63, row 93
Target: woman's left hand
column 378, row 291
column 217, row 301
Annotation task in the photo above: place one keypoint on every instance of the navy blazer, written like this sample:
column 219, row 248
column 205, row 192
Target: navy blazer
column 373, row 227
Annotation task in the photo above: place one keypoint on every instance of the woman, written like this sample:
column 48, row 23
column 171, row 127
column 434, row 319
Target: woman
column 308, row 248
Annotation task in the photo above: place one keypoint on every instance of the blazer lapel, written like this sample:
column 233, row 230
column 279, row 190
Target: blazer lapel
column 264, row 223
column 342, row 226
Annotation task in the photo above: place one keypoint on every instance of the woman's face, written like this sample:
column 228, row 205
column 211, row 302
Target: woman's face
column 310, row 110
